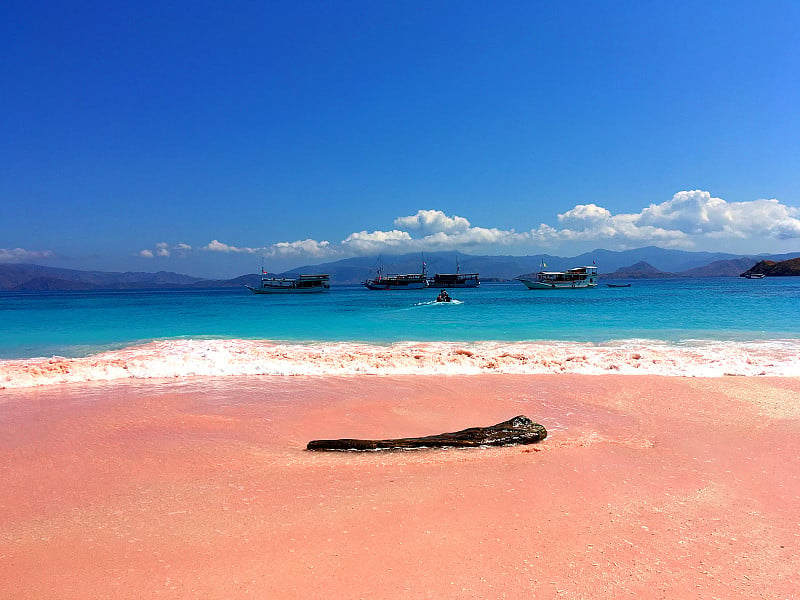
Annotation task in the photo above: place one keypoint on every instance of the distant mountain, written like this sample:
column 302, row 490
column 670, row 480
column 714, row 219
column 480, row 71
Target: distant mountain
column 26, row 277
column 251, row 279
column 640, row 270
column 356, row 270
column 639, row 263
column 784, row 268
column 353, row 271
column 721, row 268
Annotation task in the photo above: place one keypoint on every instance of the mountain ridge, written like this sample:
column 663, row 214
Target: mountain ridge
column 659, row 262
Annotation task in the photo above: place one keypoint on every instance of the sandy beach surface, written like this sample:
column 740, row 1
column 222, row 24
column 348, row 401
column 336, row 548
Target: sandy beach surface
column 647, row 487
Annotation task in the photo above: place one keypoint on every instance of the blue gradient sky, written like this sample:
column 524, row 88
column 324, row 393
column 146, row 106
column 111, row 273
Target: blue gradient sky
column 199, row 137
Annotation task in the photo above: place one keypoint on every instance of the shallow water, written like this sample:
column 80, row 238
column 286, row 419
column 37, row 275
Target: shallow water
column 706, row 327
column 722, row 309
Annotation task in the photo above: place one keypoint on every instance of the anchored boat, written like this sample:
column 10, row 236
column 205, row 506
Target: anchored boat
column 408, row 281
column 579, row 277
column 455, row 280
column 304, row 284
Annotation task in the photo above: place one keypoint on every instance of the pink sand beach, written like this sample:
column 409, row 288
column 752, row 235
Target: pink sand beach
column 646, row 487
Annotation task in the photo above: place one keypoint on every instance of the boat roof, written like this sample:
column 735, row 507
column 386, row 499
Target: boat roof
column 572, row 269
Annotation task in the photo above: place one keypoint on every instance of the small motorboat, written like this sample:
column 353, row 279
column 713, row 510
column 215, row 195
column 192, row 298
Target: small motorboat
column 443, row 297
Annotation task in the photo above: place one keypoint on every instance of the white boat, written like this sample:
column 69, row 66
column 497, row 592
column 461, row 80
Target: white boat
column 755, row 276
column 579, row 277
column 304, row 284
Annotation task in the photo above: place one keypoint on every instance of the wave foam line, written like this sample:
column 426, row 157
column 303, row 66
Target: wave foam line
column 186, row 358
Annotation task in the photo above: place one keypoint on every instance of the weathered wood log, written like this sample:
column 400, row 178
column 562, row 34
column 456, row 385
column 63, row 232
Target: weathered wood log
column 519, row 430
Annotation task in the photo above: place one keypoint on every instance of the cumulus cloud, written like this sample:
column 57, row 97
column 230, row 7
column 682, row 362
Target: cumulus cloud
column 21, row 254
column 586, row 222
column 217, row 246
column 164, row 250
column 690, row 219
column 310, row 248
column 585, row 215
column 432, row 221
column 365, row 243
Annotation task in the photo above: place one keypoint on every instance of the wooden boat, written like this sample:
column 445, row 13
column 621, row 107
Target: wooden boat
column 455, row 280
column 408, row 281
column 304, row 284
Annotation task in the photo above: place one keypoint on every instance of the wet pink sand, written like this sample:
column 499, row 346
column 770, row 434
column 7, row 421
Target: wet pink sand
column 647, row 487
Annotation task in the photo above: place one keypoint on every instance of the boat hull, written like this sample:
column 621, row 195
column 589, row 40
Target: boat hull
column 567, row 285
column 455, row 280
column 278, row 290
column 572, row 279
column 384, row 285
column 305, row 284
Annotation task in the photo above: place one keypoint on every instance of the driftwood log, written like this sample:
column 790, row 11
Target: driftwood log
column 519, row 430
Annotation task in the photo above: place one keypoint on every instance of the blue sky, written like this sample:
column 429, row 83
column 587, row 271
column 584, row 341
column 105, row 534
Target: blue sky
column 199, row 137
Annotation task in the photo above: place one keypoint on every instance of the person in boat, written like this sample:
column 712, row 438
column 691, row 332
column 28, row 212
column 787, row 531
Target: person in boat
column 443, row 296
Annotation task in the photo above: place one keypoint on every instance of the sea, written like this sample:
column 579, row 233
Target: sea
column 689, row 327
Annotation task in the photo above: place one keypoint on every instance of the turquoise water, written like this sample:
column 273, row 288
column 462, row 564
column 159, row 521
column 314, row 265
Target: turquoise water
column 82, row 323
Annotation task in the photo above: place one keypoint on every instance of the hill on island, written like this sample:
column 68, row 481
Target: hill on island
column 770, row 268
column 640, row 270
column 718, row 268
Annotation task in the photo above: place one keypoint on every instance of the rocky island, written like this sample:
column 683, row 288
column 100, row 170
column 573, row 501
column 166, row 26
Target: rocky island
column 769, row 268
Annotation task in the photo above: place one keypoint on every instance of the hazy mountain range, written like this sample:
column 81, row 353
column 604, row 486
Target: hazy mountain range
column 649, row 262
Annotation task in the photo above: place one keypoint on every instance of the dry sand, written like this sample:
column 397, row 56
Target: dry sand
column 651, row 487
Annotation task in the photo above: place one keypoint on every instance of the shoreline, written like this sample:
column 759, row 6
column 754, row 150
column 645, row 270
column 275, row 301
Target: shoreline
column 650, row 485
column 238, row 357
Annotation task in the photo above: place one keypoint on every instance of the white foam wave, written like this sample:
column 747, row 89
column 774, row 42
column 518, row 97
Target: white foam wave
column 186, row 358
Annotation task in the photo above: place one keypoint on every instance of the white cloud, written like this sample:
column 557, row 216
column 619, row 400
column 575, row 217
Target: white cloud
column 690, row 219
column 21, row 254
column 432, row 221
column 217, row 246
column 299, row 248
column 587, row 222
column 366, row 243
column 584, row 215
column 164, row 250
column 687, row 220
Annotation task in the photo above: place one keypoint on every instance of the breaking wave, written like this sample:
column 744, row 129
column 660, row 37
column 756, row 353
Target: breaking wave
column 196, row 357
